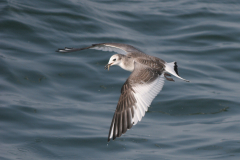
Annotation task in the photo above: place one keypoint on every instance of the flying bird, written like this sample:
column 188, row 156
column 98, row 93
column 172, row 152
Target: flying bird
column 141, row 87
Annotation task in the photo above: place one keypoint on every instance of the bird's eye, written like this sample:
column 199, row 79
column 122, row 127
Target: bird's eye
column 114, row 59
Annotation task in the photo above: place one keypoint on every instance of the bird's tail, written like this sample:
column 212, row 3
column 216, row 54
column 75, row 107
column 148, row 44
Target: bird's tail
column 173, row 69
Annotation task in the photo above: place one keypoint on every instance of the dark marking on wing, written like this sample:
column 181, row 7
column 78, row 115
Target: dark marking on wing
column 122, row 118
column 153, row 63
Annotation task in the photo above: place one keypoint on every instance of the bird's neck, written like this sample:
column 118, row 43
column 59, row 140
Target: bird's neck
column 127, row 64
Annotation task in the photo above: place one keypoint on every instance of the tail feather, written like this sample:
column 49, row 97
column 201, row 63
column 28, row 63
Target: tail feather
column 176, row 68
column 173, row 69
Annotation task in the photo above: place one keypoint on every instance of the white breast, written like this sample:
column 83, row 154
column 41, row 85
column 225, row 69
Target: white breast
column 128, row 67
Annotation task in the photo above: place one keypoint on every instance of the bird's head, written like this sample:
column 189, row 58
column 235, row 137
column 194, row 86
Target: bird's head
column 114, row 60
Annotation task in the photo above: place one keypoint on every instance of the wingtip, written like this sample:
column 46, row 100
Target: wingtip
column 60, row 50
column 68, row 49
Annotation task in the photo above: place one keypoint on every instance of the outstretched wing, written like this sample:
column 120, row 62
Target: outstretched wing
column 137, row 94
column 111, row 47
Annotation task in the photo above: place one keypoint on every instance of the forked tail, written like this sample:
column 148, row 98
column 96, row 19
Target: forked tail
column 173, row 69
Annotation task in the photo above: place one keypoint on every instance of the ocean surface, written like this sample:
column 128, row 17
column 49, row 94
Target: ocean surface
column 60, row 105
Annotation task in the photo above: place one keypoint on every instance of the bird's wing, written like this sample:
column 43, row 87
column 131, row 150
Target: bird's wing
column 137, row 94
column 111, row 47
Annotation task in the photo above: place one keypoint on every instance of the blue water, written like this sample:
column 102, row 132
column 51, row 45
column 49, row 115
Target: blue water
column 60, row 106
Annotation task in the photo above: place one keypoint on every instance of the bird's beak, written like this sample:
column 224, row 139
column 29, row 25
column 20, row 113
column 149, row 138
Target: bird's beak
column 108, row 66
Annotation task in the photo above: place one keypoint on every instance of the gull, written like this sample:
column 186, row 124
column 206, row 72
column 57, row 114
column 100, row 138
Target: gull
column 141, row 87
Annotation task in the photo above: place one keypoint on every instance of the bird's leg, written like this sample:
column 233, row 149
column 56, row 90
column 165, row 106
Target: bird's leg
column 169, row 79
